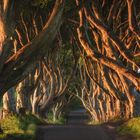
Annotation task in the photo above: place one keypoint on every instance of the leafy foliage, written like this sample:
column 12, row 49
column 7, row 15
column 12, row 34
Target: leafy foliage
column 132, row 127
column 16, row 127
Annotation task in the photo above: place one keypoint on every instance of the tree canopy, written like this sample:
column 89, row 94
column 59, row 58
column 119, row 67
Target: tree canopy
column 90, row 49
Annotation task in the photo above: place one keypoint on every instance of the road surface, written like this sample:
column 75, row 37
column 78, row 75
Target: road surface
column 77, row 129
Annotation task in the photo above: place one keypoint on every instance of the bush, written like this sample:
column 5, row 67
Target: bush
column 17, row 127
column 132, row 127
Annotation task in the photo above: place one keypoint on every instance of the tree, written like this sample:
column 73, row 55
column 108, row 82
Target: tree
column 107, row 38
column 14, row 68
column 104, row 33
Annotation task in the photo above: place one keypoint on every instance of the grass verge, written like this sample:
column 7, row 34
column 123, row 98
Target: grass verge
column 131, row 127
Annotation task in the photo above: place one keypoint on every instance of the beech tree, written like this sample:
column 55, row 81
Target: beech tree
column 108, row 38
column 15, row 67
column 104, row 33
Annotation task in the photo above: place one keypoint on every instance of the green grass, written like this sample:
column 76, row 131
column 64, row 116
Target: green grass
column 16, row 127
column 92, row 122
column 131, row 127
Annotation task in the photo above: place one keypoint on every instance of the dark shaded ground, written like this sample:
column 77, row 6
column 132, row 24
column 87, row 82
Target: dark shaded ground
column 76, row 129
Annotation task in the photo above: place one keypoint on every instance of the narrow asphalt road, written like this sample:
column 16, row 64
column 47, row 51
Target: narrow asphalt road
column 76, row 129
column 71, row 132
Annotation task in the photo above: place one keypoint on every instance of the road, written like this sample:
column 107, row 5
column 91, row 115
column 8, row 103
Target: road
column 77, row 129
column 71, row 132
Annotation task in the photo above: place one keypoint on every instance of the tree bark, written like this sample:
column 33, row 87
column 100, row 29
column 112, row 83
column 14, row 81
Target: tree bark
column 25, row 59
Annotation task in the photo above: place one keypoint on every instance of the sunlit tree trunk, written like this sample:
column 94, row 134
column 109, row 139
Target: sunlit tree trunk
column 20, row 103
column 57, row 110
